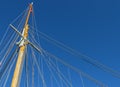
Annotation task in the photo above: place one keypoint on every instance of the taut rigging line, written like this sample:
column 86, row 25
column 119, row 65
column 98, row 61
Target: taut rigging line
column 41, row 51
column 80, row 55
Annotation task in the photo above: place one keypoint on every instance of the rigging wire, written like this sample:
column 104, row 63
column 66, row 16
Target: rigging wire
column 63, row 78
column 81, row 56
column 4, row 71
column 18, row 16
column 32, row 73
column 51, row 81
column 70, row 77
column 71, row 67
column 60, row 75
column 4, row 36
column 52, row 73
column 6, row 42
column 58, row 70
column 82, row 80
column 10, row 39
column 7, row 64
column 7, row 45
column 26, row 68
column 39, row 70
column 8, row 27
column 9, row 72
column 7, row 48
column 37, row 37
column 38, row 64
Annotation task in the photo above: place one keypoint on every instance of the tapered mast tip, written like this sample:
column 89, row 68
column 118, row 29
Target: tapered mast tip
column 31, row 3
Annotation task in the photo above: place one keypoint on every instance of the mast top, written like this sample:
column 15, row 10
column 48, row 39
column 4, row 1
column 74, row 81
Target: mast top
column 31, row 3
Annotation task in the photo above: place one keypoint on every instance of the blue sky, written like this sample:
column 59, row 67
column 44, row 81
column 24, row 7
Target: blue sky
column 92, row 27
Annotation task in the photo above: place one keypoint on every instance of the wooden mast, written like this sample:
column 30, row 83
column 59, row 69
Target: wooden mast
column 22, row 45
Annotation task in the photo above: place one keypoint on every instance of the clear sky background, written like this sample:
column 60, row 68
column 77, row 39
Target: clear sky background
column 92, row 27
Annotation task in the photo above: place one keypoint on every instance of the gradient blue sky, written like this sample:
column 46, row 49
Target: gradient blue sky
column 92, row 27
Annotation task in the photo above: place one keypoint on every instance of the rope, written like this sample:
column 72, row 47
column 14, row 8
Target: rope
column 7, row 63
column 10, row 38
column 9, row 72
column 58, row 70
column 67, row 83
column 82, row 80
column 26, row 68
column 7, row 46
column 81, row 56
column 73, row 68
column 60, row 74
column 33, row 73
column 41, row 75
column 52, row 74
column 4, row 71
column 70, row 77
